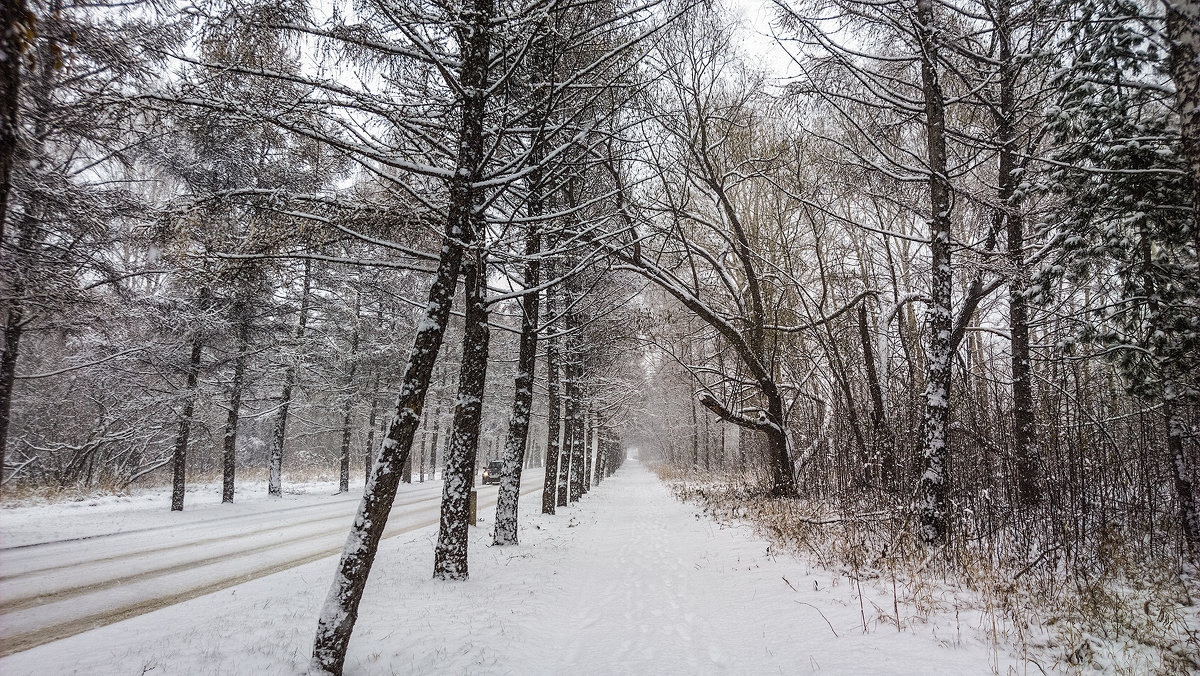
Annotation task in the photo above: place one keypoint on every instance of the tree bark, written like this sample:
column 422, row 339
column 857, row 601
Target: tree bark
column 553, row 414
column 1183, row 34
column 229, row 450
column 450, row 553
column 433, row 443
column 883, row 448
column 368, row 454
column 1189, row 515
column 589, row 420
column 15, row 21
column 341, row 605
column 1025, row 447
column 279, row 438
column 518, row 423
column 573, row 422
column 347, row 408
column 179, row 457
column 934, row 488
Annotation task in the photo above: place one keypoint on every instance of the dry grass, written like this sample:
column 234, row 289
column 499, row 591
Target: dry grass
column 1107, row 611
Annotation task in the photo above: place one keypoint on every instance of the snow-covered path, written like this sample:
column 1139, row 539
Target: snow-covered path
column 628, row 581
column 650, row 586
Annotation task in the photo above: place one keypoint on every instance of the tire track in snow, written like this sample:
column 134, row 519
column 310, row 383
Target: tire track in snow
column 9, row 601
column 218, row 519
column 31, row 639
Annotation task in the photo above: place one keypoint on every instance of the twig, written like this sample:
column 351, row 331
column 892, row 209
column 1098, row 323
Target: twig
column 785, row 581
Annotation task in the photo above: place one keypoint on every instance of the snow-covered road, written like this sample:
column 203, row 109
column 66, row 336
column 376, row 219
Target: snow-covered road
column 627, row 581
column 53, row 589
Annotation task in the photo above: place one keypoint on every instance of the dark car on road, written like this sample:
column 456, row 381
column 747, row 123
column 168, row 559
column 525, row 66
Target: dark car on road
column 491, row 473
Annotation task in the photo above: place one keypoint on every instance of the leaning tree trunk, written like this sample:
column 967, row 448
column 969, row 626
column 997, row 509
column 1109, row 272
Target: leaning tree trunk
column 341, row 605
column 340, row 611
column 518, row 424
column 179, row 457
column 275, row 471
column 229, row 451
column 934, row 489
column 450, row 553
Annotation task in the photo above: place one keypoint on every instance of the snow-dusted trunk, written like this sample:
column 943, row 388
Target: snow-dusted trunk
column 275, row 466
column 450, row 553
column 553, row 414
column 424, row 446
column 1183, row 33
column 695, row 437
column 14, row 17
column 368, row 451
column 589, row 430
column 518, row 423
column 347, row 408
column 882, row 447
column 1189, row 515
column 14, row 325
column 574, row 421
column 229, row 450
column 179, row 456
column 341, row 605
column 14, row 321
column 433, row 442
column 933, row 489
column 406, row 472
column 783, row 476
column 594, row 451
column 1025, row 448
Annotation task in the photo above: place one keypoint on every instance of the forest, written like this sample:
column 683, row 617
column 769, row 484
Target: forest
column 913, row 285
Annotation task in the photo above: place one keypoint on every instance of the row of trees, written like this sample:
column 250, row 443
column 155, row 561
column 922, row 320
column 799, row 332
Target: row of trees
column 238, row 217
column 961, row 240
column 950, row 271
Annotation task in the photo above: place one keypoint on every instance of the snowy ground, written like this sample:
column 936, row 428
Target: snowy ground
column 67, row 568
column 627, row 581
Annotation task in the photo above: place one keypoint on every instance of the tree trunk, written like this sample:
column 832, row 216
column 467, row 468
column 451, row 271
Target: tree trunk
column 934, row 487
column 589, row 422
column 347, row 409
column 1189, row 516
column 1009, row 219
column 341, row 605
column 695, row 437
column 229, row 451
column 433, row 443
column 275, row 478
column 179, row 457
column 553, row 413
column 882, row 447
column 368, row 454
column 424, row 446
column 574, row 421
column 15, row 20
column 518, row 423
column 450, row 553
column 1183, row 33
